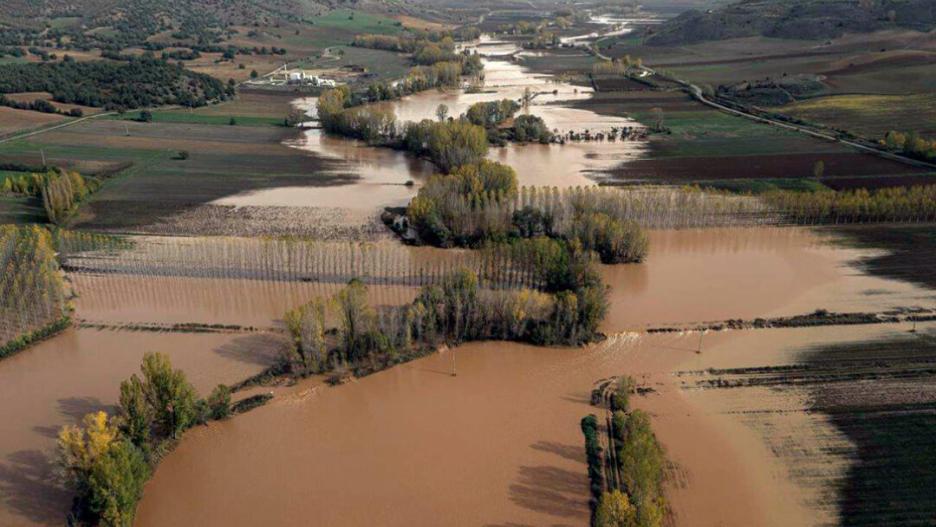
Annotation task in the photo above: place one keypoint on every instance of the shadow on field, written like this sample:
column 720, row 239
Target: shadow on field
column 258, row 349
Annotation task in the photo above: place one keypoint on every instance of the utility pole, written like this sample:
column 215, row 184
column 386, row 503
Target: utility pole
column 42, row 152
column 701, row 335
column 453, row 362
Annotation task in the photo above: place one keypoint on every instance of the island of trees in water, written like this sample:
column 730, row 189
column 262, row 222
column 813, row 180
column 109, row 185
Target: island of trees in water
column 107, row 459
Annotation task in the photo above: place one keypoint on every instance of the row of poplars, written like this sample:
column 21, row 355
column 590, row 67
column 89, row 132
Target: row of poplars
column 61, row 191
column 289, row 259
column 33, row 294
column 626, row 479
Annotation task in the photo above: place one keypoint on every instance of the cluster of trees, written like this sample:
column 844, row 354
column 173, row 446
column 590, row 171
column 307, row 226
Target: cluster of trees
column 33, row 295
column 425, row 51
column 492, row 114
column 107, row 461
column 38, row 105
column 448, row 144
column 530, row 129
column 141, row 82
column 894, row 204
column 626, row 483
column 62, row 192
column 911, row 144
column 620, row 66
column 345, row 333
column 478, row 203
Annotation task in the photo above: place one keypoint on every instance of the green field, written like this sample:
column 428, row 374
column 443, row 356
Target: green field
column 709, row 133
column 340, row 26
column 760, row 186
column 185, row 116
column 384, row 64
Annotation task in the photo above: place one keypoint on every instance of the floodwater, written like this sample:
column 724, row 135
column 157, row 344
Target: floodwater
column 383, row 174
column 58, row 381
column 499, row 444
column 704, row 275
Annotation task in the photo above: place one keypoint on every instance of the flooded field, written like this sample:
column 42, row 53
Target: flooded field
column 522, row 404
column 500, row 442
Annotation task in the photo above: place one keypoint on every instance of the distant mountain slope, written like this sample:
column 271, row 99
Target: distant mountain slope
column 796, row 19
column 125, row 22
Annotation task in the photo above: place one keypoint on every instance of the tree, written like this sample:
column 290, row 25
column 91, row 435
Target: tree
column 219, row 402
column 146, row 116
column 169, row 393
column 615, row 510
column 80, row 448
column 442, row 112
column 232, row 121
column 355, row 314
column 115, row 484
column 254, row 74
column 818, row 169
column 135, row 412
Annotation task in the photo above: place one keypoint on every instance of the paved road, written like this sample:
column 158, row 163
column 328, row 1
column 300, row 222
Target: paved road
column 697, row 93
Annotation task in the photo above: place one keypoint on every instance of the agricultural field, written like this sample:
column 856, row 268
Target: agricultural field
column 861, row 456
column 14, row 121
column 706, row 146
column 871, row 116
column 221, row 159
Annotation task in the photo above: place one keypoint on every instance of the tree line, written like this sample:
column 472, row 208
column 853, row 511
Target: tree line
column 890, row 204
column 911, row 144
column 478, row 203
column 106, row 461
column 59, row 190
column 345, row 334
column 34, row 300
column 140, row 82
column 626, row 482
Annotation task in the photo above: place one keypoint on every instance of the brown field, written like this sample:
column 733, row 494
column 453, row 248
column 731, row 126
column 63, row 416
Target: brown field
column 13, row 121
column 887, row 62
column 707, row 145
column 842, row 170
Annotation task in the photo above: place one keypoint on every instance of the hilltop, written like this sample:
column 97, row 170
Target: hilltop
column 794, row 19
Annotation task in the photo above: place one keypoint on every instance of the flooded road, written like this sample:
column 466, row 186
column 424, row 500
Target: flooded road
column 383, row 173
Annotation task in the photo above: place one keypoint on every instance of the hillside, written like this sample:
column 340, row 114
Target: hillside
column 121, row 23
column 794, row 19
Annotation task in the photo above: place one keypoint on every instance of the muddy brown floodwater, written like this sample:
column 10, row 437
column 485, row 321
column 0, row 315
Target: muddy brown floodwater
column 499, row 444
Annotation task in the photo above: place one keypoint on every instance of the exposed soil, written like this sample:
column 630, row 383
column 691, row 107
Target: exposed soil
column 842, row 170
